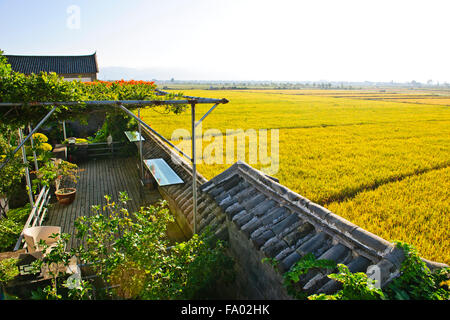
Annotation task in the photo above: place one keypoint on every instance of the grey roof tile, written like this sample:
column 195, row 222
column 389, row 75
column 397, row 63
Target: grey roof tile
column 289, row 261
column 304, row 239
column 237, row 188
column 284, row 253
column 220, row 197
column 335, row 253
column 312, row 244
column 246, row 193
column 250, row 202
column 251, row 226
column 242, row 218
column 315, row 282
column 231, row 182
column 58, row 64
column 273, row 247
column 226, row 202
column 263, row 207
column 279, row 227
column 259, row 239
column 234, row 209
column 359, row 264
column 299, row 232
column 216, row 191
column 274, row 215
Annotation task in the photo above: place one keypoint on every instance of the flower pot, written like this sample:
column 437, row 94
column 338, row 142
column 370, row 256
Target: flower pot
column 66, row 195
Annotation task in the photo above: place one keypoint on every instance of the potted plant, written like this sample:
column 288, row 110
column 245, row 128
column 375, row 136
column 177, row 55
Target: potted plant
column 53, row 173
column 66, row 195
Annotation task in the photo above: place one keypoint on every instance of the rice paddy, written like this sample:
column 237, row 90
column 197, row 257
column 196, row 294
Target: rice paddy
column 378, row 159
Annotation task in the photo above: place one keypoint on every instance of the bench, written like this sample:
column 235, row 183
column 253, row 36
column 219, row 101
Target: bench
column 162, row 173
column 37, row 214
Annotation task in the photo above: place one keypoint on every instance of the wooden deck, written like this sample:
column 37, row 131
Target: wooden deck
column 98, row 178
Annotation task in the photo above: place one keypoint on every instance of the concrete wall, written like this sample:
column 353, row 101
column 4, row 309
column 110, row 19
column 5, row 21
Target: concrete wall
column 254, row 279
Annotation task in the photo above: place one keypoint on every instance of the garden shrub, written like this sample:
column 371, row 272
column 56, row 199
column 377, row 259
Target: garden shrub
column 140, row 263
column 415, row 282
column 12, row 226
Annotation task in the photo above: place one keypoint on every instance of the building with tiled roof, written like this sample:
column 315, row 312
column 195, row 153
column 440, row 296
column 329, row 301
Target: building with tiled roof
column 70, row 67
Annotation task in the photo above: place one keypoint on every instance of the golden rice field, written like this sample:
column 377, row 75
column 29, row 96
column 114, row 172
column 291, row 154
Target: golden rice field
column 379, row 162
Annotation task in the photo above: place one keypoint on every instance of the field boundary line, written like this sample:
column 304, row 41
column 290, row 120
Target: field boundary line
column 376, row 185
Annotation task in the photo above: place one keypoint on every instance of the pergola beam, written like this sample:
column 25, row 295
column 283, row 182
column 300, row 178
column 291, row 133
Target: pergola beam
column 189, row 100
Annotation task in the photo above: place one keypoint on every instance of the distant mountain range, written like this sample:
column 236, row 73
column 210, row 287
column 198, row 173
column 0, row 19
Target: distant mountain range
column 181, row 75
column 125, row 73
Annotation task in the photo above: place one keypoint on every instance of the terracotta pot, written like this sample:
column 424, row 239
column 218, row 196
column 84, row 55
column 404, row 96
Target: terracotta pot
column 66, row 195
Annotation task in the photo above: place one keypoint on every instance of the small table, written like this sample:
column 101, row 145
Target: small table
column 134, row 136
column 162, row 172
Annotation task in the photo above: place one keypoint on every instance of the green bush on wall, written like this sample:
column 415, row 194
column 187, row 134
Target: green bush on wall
column 11, row 227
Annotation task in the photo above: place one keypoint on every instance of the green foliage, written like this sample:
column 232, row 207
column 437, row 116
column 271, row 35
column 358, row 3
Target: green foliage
column 355, row 286
column 8, row 270
column 208, row 264
column 53, row 171
column 304, row 265
column 140, row 263
column 11, row 175
column 116, row 123
column 417, row 281
column 11, row 227
column 272, row 261
column 41, row 148
column 55, row 263
column 49, row 87
column 307, row 263
column 101, row 135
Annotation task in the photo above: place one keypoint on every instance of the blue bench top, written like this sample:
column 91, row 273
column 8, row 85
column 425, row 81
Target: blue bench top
column 162, row 172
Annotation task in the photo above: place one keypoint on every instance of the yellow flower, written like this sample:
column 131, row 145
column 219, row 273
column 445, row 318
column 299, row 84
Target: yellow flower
column 40, row 137
column 45, row 147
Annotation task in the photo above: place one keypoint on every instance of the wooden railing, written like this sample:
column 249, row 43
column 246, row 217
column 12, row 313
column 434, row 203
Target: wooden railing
column 37, row 214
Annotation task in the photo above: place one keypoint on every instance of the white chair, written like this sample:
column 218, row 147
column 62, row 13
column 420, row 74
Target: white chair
column 33, row 235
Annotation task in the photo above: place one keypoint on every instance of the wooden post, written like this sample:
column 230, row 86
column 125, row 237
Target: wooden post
column 27, row 171
column 36, row 167
column 194, row 168
column 141, row 157
column 65, row 137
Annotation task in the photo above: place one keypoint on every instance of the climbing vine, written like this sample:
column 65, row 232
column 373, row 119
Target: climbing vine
column 17, row 87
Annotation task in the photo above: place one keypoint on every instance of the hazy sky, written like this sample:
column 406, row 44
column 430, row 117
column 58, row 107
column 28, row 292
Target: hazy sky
column 241, row 39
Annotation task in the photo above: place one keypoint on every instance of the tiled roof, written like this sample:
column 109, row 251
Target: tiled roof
column 58, row 64
column 277, row 222
column 286, row 226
